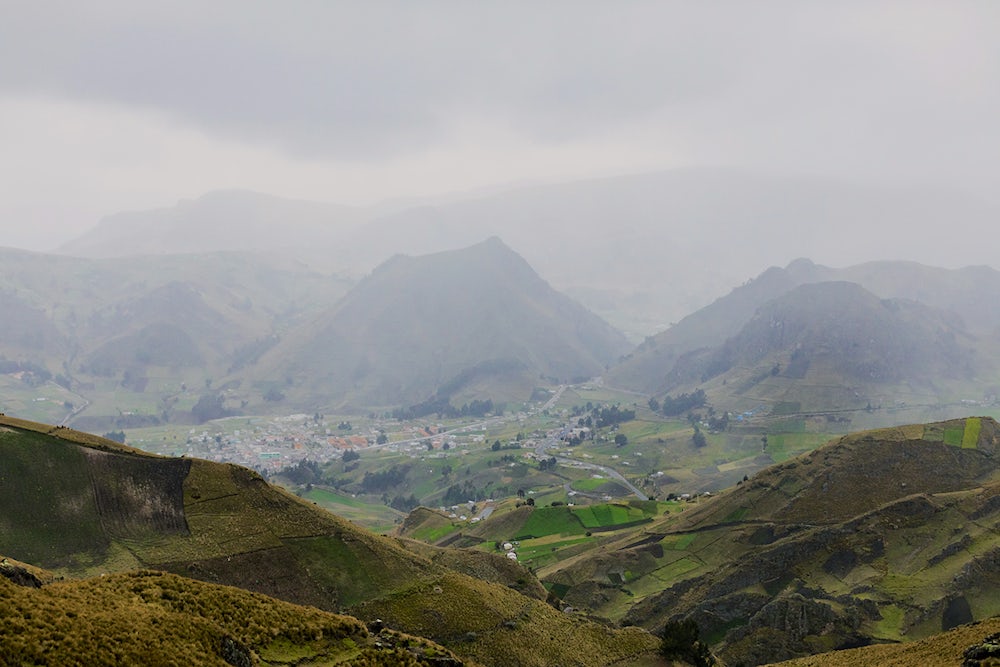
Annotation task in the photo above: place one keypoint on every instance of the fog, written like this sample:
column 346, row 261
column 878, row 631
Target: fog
column 111, row 106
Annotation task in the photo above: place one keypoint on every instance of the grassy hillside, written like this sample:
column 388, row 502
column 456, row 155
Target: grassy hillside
column 881, row 536
column 152, row 618
column 81, row 506
column 942, row 650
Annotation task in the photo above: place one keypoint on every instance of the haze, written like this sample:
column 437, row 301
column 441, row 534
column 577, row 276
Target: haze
column 112, row 106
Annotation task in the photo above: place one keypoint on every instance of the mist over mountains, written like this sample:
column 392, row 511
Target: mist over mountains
column 299, row 315
column 642, row 251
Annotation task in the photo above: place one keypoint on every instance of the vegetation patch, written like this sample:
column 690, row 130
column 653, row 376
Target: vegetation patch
column 155, row 618
column 970, row 438
column 551, row 521
column 953, row 436
column 678, row 542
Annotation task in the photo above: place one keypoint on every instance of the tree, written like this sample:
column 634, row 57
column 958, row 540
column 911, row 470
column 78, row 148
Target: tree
column 679, row 641
column 117, row 436
column 621, row 440
column 381, row 439
column 208, row 407
column 351, row 455
column 495, row 446
column 698, row 438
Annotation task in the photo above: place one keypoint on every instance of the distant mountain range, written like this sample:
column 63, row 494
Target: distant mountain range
column 156, row 334
column 163, row 332
column 224, row 221
column 642, row 250
column 830, row 339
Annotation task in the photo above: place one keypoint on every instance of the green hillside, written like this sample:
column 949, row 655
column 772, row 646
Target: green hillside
column 942, row 650
column 880, row 536
column 82, row 506
column 152, row 618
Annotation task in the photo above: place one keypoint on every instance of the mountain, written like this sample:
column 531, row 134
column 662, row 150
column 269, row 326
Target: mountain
column 879, row 536
column 224, row 221
column 133, row 333
column 967, row 298
column 644, row 250
column 841, row 332
column 474, row 323
column 641, row 250
column 81, row 506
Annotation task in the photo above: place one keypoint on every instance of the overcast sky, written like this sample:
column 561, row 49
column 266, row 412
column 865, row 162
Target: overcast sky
column 108, row 106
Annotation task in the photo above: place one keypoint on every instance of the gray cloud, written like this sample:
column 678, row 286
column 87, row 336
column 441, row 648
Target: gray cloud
column 873, row 90
column 370, row 79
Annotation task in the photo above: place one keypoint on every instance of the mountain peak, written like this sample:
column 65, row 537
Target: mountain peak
column 441, row 323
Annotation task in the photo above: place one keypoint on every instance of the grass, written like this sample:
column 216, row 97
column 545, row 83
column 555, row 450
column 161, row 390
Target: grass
column 48, row 523
column 551, row 521
column 173, row 620
column 678, row 542
column 373, row 516
column 589, row 484
column 783, row 446
column 970, row 437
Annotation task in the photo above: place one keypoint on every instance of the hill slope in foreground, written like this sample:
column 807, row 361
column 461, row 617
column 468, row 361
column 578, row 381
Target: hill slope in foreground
column 977, row 643
column 175, row 620
column 881, row 536
column 80, row 505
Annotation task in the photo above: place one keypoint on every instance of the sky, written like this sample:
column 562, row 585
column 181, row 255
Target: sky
column 108, row 106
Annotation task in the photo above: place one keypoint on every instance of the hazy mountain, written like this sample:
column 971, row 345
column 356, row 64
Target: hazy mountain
column 644, row 250
column 473, row 322
column 225, row 221
column 641, row 250
column 80, row 506
column 115, row 328
column 967, row 299
column 879, row 536
column 852, row 334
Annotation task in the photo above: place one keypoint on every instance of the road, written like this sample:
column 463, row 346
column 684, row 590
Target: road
column 554, row 441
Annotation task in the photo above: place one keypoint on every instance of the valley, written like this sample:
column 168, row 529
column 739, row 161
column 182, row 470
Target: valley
column 450, row 425
column 499, row 334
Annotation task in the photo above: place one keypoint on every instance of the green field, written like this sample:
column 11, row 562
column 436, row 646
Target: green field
column 375, row 517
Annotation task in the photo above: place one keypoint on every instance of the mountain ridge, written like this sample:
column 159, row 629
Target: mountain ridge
column 418, row 326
